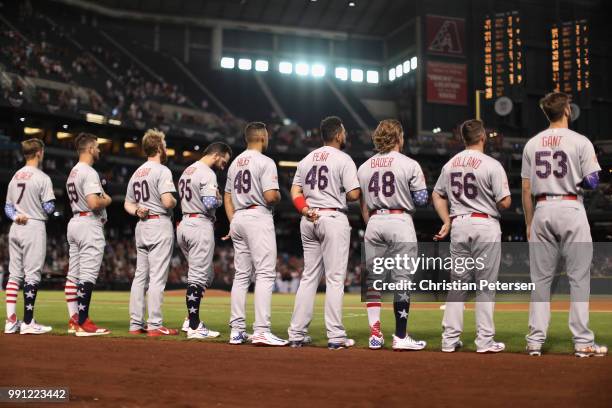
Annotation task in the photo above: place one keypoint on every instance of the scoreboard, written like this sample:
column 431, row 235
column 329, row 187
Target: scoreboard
column 570, row 57
column 503, row 55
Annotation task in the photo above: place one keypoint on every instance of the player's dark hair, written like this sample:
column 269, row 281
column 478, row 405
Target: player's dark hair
column 83, row 140
column 553, row 105
column 217, row 147
column 30, row 147
column 471, row 131
column 330, row 127
column 252, row 129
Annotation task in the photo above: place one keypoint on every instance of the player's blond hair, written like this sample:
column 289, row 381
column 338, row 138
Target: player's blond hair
column 152, row 142
column 30, row 147
column 387, row 135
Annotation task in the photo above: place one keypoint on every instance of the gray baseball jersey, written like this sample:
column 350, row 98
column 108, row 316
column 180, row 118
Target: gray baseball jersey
column 147, row 185
column 473, row 183
column 387, row 179
column 154, row 243
column 326, row 175
column 83, row 181
column 197, row 181
column 27, row 190
column 557, row 160
column 249, row 175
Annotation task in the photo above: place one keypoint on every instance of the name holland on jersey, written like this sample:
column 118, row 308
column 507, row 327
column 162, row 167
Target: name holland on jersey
column 429, row 285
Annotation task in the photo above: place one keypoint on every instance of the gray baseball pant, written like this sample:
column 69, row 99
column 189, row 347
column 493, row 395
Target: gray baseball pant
column 196, row 238
column 474, row 238
column 560, row 229
column 326, row 246
column 254, row 240
column 154, row 246
column 27, row 250
column 86, row 248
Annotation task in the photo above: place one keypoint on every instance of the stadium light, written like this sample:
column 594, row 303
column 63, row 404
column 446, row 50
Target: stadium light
column 342, row 73
column 285, row 67
column 372, row 77
column 392, row 74
column 302, row 69
column 413, row 62
column 31, row 130
column 318, row 70
column 115, row 122
column 356, row 75
column 94, row 118
column 170, row 151
column 187, row 153
column 406, row 66
column 261, row 65
column 245, row 64
column 286, row 163
column 399, row 71
column 129, row 145
column 227, row 63
column 102, row 141
column 63, row 135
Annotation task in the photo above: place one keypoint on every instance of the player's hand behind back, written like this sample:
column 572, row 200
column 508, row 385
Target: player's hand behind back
column 443, row 233
column 21, row 219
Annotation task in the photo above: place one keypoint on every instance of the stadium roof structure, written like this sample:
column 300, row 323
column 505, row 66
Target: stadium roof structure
column 366, row 18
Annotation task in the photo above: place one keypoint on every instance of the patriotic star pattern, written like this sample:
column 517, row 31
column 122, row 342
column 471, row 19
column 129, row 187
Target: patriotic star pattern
column 420, row 198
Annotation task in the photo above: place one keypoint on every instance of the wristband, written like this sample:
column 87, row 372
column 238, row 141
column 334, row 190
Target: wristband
column 300, row 203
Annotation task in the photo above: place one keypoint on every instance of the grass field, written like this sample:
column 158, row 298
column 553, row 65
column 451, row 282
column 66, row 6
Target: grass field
column 110, row 309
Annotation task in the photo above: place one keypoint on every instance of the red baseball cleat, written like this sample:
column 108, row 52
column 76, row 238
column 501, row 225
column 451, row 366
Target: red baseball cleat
column 161, row 331
column 137, row 332
column 73, row 323
column 89, row 328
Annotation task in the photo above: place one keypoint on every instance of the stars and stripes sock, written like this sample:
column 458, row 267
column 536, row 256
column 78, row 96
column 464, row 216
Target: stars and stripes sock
column 29, row 298
column 84, row 298
column 70, row 291
column 193, row 298
column 373, row 306
column 11, row 299
column 401, row 308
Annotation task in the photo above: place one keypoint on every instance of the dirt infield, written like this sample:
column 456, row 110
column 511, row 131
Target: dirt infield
column 149, row 372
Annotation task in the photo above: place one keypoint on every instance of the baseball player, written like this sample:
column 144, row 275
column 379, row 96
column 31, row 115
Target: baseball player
column 324, row 181
column 392, row 186
column 29, row 201
column 150, row 198
column 200, row 198
column 558, row 165
column 476, row 187
column 86, row 241
column 250, row 192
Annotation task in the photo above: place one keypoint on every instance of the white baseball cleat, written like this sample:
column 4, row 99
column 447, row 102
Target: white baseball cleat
column 342, row 345
column 185, row 326
column 495, row 347
column 239, row 337
column 595, row 350
column 534, row 350
column 34, row 328
column 407, row 344
column 11, row 326
column 452, row 348
column 202, row 332
column 267, row 339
